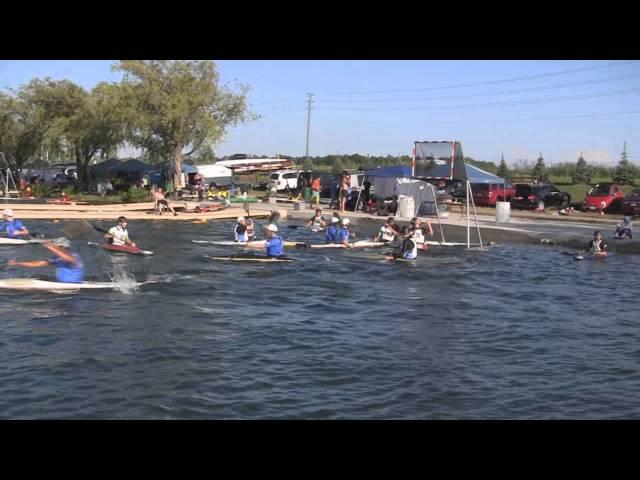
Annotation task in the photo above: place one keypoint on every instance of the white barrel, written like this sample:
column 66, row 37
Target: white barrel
column 503, row 212
column 406, row 206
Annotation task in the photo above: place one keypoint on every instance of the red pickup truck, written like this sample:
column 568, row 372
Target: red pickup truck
column 487, row 194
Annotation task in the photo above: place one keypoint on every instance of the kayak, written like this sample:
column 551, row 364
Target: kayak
column 121, row 248
column 317, row 229
column 35, row 284
column 594, row 256
column 21, row 241
column 360, row 244
column 209, row 207
column 253, row 258
column 254, row 243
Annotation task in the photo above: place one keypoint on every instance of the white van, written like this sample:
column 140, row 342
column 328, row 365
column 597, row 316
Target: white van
column 282, row 179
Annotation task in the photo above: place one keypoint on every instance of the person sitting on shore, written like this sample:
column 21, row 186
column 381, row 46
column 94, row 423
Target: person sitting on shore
column 597, row 245
column 624, row 229
column 161, row 201
column 14, row 227
column 332, row 231
column 317, row 222
column 69, row 266
column 119, row 235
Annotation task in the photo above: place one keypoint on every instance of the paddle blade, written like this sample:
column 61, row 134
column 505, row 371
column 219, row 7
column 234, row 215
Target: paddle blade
column 74, row 229
column 274, row 217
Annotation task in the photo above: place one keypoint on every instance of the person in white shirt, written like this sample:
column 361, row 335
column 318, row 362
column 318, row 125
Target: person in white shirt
column 119, row 235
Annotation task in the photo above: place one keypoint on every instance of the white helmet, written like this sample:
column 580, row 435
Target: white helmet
column 7, row 212
column 272, row 228
column 335, row 220
column 240, row 219
column 345, row 221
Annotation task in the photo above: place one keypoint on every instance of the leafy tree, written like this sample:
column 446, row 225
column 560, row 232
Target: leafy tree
column 539, row 171
column 308, row 164
column 337, row 167
column 178, row 105
column 20, row 138
column 582, row 173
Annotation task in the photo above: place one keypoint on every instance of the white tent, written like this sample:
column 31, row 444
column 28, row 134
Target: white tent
column 219, row 174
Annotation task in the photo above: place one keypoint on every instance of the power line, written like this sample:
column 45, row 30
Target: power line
column 505, row 92
column 490, row 82
column 495, row 104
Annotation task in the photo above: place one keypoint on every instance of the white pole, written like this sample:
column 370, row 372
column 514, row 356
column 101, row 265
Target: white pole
column 468, row 220
column 435, row 202
column 473, row 203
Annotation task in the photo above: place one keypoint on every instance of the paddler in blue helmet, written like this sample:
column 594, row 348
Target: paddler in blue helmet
column 273, row 244
column 69, row 266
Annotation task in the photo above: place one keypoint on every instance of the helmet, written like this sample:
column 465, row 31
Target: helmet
column 240, row 219
column 63, row 242
column 272, row 228
column 7, row 212
column 345, row 221
column 335, row 220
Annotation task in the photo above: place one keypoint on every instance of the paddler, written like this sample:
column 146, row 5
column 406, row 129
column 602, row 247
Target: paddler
column 240, row 232
column 317, row 222
column 14, row 227
column 417, row 231
column 69, row 266
column 343, row 233
column 251, row 232
column 388, row 231
column 119, row 235
column 408, row 250
column 597, row 245
column 332, row 230
column 273, row 244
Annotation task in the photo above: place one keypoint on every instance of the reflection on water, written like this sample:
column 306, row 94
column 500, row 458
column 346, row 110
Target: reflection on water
column 513, row 332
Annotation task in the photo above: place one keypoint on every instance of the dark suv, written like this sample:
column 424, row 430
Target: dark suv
column 539, row 195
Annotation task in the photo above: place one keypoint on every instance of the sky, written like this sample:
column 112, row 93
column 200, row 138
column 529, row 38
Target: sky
column 517, row 108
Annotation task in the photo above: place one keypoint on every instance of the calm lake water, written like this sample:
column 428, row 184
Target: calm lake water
column 521, row 332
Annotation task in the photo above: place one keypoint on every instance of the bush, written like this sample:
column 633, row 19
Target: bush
column 135, row 194
column 70, row 190
column 42, row 190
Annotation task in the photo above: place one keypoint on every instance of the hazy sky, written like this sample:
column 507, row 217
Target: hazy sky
column 521, row 108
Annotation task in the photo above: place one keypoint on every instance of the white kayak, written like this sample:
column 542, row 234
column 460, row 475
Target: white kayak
column 35, row 284
column 360, row 244
column 22, row 241
column 452, row 244
column 254, row 243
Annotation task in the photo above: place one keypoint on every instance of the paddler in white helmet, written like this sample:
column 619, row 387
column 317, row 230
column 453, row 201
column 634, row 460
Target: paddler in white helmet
column 69, row 266
column 240, row 232
column 343, row 233
column 14, row 227
column 332, row 230
column 273, row 244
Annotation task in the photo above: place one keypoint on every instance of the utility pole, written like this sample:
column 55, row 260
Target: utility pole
column 309, row 102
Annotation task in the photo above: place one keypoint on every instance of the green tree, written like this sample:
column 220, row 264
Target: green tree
column 20, row 137
column 503, row 170
column 337, row 166
column 624, row 173
column 539, row 171
column 308, row 164
column 177, row 105
column 582, row 173
column 84, row 122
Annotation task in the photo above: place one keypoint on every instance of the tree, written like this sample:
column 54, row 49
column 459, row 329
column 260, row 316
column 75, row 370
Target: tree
column 582, row 173
column 85, row 122
column 178, row 105
column 20, row 138
column 308, row 164
column 337, row 167
column 624, row 173
column 539, row 172
column 503, row 170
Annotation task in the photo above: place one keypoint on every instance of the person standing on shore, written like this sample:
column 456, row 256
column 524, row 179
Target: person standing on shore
column 315, row 191
column 345, row 185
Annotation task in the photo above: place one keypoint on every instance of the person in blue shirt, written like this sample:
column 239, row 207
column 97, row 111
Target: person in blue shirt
column 274, row 245
column 343, row 233
column 69, row 266
column 332, row 231
column 14, row 228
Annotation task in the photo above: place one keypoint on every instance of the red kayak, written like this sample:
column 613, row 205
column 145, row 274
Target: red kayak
column 121, row 248
column 209, row 207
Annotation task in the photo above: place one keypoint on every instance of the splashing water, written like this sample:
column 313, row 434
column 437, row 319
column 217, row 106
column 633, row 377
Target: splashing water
column 126, row 282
